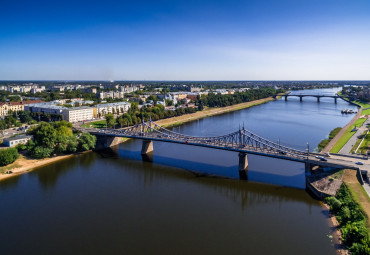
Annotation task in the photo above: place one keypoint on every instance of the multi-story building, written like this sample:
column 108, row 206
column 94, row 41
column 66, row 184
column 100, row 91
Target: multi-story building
column 70, row 114
column 15, row 106
column 76, row 114
column 128, row 89
column 103, row 109
column 110, row 94
column 47, row 107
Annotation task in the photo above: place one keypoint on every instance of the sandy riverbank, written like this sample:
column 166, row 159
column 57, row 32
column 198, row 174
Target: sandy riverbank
column 24, row 165
column 210, row 112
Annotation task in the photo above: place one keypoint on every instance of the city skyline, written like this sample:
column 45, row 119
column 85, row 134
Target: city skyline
column 185, row 40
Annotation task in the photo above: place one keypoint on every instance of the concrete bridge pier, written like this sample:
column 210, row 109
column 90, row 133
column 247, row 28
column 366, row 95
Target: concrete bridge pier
column 147, row 150
column 301, row 98
column 318, row 99
column 286, row 98
column 104, row 141
column 308, row 168
column 335, row 100
column 243, row 166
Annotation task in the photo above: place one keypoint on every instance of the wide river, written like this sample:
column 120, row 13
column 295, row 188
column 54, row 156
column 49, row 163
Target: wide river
column 114, row 203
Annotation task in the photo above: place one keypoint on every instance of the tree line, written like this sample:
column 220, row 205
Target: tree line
column 219, row 100
column 56, row 138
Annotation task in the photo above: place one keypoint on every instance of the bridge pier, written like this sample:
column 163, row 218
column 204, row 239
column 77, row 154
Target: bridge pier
column 243, row 166
column 335, row 100
column 301, row 98
column 286, row 98
column 308, row 168
column 147, row 147
column 318, row 99
column 147, row 150
column 104, row 141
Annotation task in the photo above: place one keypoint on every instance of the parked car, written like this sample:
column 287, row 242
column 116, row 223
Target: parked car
column 359, row 163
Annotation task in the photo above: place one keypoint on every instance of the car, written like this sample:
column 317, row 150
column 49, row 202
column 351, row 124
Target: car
column 359, row 163
column 321, row 158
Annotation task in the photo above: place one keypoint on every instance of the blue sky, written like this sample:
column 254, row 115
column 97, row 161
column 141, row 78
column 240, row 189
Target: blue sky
column 185, row 40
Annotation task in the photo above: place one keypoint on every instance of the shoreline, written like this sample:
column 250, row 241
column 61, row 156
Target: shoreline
column 336, row 232
column 24, row 165
column 179, row 120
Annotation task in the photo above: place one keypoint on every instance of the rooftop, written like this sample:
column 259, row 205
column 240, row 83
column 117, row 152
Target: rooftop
column 17, row 138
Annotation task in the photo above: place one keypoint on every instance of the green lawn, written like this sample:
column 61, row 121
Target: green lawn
column 95, row 124
column 366, row 112
column 346, row 136
column 358, row 142
column 364, row 105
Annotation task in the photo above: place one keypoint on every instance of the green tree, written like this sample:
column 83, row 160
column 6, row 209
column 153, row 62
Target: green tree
column 41, row 152
column 24, row 116
column 8, row 156
column 86, row 142
column 109, row 118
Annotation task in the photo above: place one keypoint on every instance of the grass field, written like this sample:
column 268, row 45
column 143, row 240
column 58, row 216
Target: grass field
column 95, row 124
column 346, row 136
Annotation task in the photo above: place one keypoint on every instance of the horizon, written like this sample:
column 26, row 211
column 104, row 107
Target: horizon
column 283, row 40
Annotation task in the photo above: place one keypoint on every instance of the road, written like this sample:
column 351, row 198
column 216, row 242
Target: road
column 346, row 149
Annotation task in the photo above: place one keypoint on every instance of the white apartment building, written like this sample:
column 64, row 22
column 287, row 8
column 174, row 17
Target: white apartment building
column 77, row 114
column 103, row 109
column 73, row 114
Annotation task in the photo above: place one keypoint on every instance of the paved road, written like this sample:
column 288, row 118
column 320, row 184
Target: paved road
column 352, row 141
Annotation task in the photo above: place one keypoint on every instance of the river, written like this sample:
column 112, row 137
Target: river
column 114, row 203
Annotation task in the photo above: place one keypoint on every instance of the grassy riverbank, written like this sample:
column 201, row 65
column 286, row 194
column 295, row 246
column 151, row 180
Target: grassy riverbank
column 349, row 132
column 351, row 206
column 325, row 142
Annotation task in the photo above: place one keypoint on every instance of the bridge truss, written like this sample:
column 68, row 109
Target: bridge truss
column 241, row 140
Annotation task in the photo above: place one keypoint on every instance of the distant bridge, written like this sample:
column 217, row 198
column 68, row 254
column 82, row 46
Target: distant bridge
column 242, row 141
column 301, row 96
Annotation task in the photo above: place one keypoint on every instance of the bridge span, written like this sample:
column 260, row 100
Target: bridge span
column 301, row 96
column 242, row 141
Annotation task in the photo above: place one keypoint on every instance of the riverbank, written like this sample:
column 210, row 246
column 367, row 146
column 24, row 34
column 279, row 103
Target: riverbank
column 352, row 206
column 336, row 144
column 179, row 120
column 24, row 164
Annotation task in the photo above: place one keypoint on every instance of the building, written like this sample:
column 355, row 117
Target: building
column 19, row 139
column 77, row 114
column 15, row 106
column 110, row 94
column 115, row 108
column 70, row 114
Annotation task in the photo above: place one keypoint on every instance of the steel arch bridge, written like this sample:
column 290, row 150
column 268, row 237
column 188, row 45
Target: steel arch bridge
column 242, row 140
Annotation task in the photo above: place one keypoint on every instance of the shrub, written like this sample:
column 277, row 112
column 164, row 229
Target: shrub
column 41, row 152
column 334, row 203
column 8, row 156
column 352, row 221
